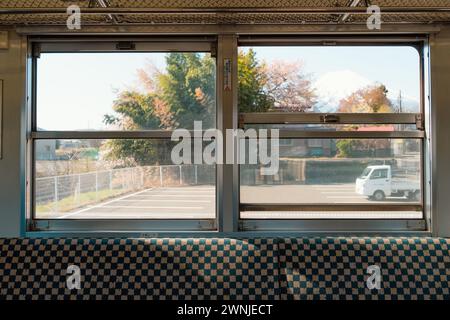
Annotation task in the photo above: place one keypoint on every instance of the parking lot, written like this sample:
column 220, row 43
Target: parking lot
column 154, row 203
column 198, row 202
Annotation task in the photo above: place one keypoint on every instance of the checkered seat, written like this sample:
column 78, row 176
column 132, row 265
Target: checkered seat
column 340, row 268
column 277, row 268
column 139, row 268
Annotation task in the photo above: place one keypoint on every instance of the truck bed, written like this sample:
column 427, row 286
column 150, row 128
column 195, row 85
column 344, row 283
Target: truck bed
column 405, row 184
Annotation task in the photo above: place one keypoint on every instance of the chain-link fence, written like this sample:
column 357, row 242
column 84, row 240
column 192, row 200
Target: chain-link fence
column 66, row 192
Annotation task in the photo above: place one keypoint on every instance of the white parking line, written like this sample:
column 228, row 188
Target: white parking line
column 162, row 200
column 184, row 191
column 332, row 187
column 346, row 197
column 141, row 215
column 177, row 195
column 152, row 207
column 102, row 204
column 353, row 202
column 333, row 192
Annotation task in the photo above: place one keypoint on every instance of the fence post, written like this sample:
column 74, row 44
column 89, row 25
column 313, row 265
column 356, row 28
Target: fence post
column 181, row 176
column 110, row 180
column 142, row 177
column 55, row 182
column 196, row 174
column 160, row 176
column 79, row 189
column 96, row 185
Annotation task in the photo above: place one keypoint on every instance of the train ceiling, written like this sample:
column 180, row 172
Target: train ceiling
column 235, row 12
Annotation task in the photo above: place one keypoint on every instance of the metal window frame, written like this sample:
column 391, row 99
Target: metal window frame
column 39, row 45
column 418, row 119
column 246, row 118
column 229, row 38
column 297, row 134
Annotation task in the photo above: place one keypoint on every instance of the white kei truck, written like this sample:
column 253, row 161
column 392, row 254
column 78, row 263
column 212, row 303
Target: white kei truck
column 377, row 183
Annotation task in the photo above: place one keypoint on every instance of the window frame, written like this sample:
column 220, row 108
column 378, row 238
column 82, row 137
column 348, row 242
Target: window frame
column 38, row 45
column 228, row 222
column 419, row 119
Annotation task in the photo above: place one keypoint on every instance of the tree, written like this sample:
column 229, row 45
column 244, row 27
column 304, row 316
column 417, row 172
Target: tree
column 172, row 99
column 289, row 87
column 252, row 96
column 278, row 86
column 188, row 88
column 371, row 99
column 185, row 92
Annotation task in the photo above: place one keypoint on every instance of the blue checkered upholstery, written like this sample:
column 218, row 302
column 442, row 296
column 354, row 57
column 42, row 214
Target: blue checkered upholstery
column 336, row 268
column 301, row 268
column 139, row 269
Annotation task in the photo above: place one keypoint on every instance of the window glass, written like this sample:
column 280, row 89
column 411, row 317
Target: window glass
column 337, row 171
column 119, row 179
column 125, row 91
column 342, row 79
column 379, row 174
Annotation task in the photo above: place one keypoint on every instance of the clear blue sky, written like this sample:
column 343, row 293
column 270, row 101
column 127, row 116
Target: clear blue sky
column 76, row 90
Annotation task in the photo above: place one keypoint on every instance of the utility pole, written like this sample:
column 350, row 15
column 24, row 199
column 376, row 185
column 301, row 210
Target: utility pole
column 399, row 100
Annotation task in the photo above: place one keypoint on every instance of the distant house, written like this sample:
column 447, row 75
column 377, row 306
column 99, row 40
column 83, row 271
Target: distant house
column 45, row 150
column 307, row 147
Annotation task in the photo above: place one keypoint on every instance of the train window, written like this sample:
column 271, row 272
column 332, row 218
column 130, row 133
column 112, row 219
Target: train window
column 353, row 118
column 101, row 133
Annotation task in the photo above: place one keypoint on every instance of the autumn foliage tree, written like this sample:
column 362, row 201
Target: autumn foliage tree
column 371, row 99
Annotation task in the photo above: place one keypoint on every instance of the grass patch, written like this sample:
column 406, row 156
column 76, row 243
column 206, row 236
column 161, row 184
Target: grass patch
column 74, row 202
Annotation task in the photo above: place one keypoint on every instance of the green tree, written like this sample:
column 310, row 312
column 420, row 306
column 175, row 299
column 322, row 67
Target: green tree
column 188, row 88
column 252, row 96
column 174, row 99
column 346, row 147
column 185, row 92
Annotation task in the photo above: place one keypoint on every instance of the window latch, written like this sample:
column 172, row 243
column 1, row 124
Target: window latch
column 420, row 123
column 329, row 118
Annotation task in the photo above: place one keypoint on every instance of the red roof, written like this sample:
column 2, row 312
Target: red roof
column 377, row 128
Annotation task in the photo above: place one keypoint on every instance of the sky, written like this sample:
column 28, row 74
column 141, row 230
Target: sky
column 75, row 90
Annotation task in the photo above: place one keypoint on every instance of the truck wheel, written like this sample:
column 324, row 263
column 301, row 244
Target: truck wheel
column 378, row 195
column 414, row 196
